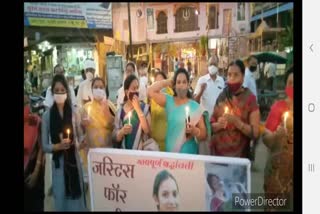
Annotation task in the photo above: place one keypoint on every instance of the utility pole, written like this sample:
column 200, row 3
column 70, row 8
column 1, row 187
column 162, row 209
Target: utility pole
column 130, row 36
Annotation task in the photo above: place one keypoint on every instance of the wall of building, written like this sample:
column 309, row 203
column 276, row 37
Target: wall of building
column 140, row 34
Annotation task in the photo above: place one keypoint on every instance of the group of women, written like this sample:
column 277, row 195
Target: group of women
column 171, row 117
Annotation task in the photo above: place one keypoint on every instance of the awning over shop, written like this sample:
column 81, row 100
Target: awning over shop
column 265, row 30
column 280, row 9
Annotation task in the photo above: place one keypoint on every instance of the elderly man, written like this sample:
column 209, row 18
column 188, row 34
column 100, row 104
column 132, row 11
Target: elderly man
column 206, row 93
column 209, row 86
column 85, row 92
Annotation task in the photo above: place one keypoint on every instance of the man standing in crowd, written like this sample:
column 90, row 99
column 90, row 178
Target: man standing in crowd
column 84, row 94
column 249, row 80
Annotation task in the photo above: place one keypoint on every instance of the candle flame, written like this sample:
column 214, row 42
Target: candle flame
column 68, row 131
column 226, row 110
column 286, row 114
column 152, row 79
column 129, row 114
column 187, row 111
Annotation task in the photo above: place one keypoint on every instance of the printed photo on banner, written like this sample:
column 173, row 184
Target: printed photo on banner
column 150, row 19
column 224, row 180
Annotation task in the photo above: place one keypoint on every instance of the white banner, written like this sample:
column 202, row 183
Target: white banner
column 132, row 180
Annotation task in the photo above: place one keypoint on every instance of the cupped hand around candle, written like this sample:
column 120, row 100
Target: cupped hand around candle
column 222, row 122
column 191, row 129
column 281, row 131
column 232, row 119
column 126, row 129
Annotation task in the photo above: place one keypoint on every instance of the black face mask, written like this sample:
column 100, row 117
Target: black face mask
column 253, row 68
column 131, row 94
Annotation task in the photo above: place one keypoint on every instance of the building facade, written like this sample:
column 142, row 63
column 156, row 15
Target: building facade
column 165, row 31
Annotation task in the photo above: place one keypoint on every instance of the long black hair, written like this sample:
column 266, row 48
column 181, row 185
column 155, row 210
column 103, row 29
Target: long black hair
column 209, row 179
column 61, row 78
column 181, row 71
column 239, row 64
column 127, row 84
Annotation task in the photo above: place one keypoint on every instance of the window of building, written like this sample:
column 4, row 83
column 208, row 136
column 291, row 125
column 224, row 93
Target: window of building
column 186, row 19
column 162, row 23
column 213, row 18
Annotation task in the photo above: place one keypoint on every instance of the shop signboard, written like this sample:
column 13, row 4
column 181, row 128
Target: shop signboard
column 95, row 15
column 135, row 180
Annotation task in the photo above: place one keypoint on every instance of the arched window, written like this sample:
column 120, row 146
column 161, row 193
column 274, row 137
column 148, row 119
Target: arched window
column 162, row 23
column 186, row 19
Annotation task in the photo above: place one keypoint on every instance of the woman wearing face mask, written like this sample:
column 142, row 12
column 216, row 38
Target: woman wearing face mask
column 131, row 70
column 185, row 115
column 158, row 115
column 133, row 117
column 278, row 137
column 236, row 116
column 166, row 192
column 62, row 136
column 98, row 120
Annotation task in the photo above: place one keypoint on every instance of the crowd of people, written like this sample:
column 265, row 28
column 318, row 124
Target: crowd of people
column 220, row 118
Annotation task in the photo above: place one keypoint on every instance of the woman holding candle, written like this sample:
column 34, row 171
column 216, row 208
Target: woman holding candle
column 98, row 120
column 183, row 127
column 133, row 117
column 158, row 115
column 67, row 179
column 236, row 117
column 278, row 137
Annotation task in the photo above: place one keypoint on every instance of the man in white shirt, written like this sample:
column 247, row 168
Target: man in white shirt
column 206, row 93
column 249, row 80
column 131, row 69
column 208, row 89
column 48, row 102
column 85, row 91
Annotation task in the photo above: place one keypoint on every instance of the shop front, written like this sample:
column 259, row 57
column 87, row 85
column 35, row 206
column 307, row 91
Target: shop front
column 72, row 57
column 164, row 55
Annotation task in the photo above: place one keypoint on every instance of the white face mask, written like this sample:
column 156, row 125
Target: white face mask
column 60, row 98
column 212, row 70
column 98, row 93
column 89, row 75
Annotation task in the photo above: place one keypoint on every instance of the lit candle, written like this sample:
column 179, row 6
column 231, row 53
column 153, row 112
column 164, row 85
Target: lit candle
column 226, row 110
column 129, row 115
column 187, row 114
column 68, row 132
column 152, row 80
column 286, row 115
